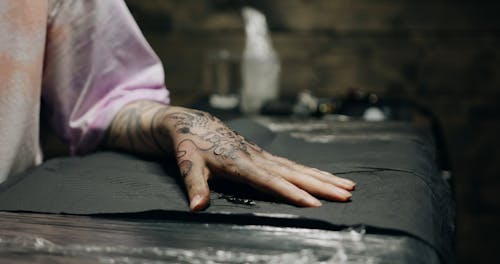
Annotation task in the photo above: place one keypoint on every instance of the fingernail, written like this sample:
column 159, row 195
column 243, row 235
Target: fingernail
column 313, row 201
column 195, row 202
column 349, row 182
column 343, row 193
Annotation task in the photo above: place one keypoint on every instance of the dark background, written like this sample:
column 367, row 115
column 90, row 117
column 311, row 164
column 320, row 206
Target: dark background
column 441, row 54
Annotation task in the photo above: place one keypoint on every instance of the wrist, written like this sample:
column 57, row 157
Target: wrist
column 142, row 127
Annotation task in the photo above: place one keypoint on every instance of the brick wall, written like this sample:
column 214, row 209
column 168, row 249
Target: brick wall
column 442, row 54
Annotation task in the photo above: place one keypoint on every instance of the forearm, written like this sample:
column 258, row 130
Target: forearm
column 142, row 128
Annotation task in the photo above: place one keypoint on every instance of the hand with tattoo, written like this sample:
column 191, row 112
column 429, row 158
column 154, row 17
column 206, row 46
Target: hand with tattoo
column 204, row 147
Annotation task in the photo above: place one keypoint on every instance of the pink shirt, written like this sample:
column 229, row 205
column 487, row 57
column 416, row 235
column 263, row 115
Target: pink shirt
column 85, row 59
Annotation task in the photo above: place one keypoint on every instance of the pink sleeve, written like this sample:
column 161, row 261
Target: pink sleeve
column 96, row 61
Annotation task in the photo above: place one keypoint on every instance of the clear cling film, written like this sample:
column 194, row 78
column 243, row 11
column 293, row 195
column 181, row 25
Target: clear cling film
column 82, row 239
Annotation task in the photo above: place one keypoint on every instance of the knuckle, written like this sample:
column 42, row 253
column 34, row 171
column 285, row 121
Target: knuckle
column 229, row 165
column 270, row 179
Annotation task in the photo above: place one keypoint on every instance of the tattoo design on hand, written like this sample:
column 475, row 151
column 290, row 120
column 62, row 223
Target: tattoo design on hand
column 204, row 145
column 221, row 140
column 185, row 167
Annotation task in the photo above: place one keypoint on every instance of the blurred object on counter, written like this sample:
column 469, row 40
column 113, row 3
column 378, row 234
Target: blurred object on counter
column 360, row 105
column 221, row 79
column 260, row 66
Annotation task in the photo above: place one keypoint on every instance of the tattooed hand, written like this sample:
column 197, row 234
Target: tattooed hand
column 204, row 147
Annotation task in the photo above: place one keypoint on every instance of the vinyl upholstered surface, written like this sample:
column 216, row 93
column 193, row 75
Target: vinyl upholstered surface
column 400, row 191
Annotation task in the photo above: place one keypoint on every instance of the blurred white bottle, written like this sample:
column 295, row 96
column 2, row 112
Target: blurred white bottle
column 260, row 66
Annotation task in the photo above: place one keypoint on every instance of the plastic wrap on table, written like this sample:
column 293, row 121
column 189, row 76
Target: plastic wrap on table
column 28, row 238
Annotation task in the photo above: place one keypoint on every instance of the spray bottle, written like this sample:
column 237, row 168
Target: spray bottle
column 260, row 64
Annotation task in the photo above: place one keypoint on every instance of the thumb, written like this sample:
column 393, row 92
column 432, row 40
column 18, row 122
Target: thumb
column 195, row 176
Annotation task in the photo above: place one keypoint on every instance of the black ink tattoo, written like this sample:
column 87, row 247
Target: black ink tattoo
column 185, row 120
column 222, row 141
column 146, row 127
column 129, row 130
column 185, row 167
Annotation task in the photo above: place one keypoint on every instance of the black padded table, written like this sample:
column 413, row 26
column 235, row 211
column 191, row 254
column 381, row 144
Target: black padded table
column 400, row 198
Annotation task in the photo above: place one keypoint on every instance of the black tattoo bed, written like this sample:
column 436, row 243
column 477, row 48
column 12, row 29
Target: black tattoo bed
column 136, row 211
